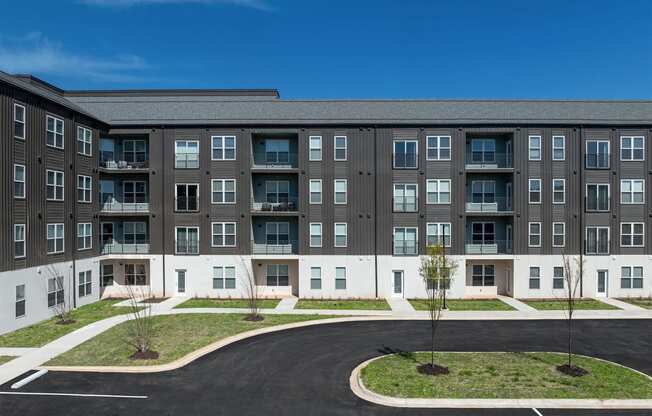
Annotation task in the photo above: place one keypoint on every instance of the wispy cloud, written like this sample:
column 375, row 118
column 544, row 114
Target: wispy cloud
column 36, row 54
column 253, row 4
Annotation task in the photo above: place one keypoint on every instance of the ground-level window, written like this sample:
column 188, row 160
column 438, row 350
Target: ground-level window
column 20, row 301
column 558, row 277
column 535, row 277
column 278, row 275
column 315, row 278
column 107, row 275
column 224, row 277
column 55, row 291
column 483, row 275
column 340, row 278
column 631, row 277
column 135, row 275
column 85, row 283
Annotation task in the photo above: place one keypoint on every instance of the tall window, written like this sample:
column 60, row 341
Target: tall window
column 405, row 197
column 483, row 151
column 84, row 235
column 277, row 192
column 187, row 240
column 558, row 147
column 277, row 151
column 84, row 141
column 558, row 277
column 19, row 241
column 133, row 192
column 534, row 234
column 535, row 277
column 84, row 188
column 85, row 284
column 558, row 234
column 223, row 191
column 55, row 291
column 483, row 232
column 135, row 232
column 597, row 197
column 278, row 275
column 632, row 148
column 632, row 191
column 223, row 234
column 534, row 147
column 134, row 151
column 340, row 148
column 224, row 277
column 340, row 278
column 315, row 278
column 315, row 191
column 438, row 147
column 405, row 154
column 483, row 192
column 19, row 181
column 277, row 233
column 107, row 275
column 55, row 238
column 223, row 147
column 340, row 191
column 135, row 275
column 187, row 197
column 315, row 148
column 340, row 234
column 534, row 186
column 632, row 234
column 436, row 233
column 438, row 191
column 54, row 131
column 597, row 154
column 315, row 234
column 597, row 240
column 405, row 241
column 20, row 305
column 186, row 154
column 54, row 185
column 558, row 191
column 19, row 121
column 631, row 277
column 483, row 275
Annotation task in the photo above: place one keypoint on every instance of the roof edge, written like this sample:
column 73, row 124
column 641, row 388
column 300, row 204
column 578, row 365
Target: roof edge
column 262, row 92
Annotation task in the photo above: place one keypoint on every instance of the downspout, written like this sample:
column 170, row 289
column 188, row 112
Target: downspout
column 582, row 208
column 163, row 211
column 375, row 212
column 74, row 216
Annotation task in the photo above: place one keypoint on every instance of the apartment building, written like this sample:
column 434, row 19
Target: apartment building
column 194, row 192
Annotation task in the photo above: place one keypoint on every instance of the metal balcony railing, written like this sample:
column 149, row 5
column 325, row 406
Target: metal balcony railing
column 138, row 247
column 489, row 247
column 285, row 204
column 488, row 160
column 125, row 207
column 110, row 163
column 289, row 247
column 278, row 160
column 488, row 204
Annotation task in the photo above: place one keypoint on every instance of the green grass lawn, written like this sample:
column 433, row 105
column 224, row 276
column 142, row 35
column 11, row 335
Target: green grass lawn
column 362, row 304
column 5, row 358
column 642, row 302
column 503, row 376
column 226, row 303
column 556, row 305
column 43, row 332
column 466, row 305
column 175, row 336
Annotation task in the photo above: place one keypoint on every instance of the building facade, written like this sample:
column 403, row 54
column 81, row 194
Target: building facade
column 197, row 193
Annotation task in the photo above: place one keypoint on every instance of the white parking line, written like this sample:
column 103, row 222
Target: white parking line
column 537, row 412
column 28, row 379
column 110, row 396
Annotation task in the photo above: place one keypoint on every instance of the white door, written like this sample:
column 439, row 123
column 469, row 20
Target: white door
column 602, row 284
column 397, row 284
column 181, row 282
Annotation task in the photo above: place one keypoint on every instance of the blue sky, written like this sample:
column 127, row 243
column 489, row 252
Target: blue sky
column 338, row 49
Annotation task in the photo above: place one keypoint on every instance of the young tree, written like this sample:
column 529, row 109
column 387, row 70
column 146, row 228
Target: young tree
column 436, row 271
column 573, row 275
column 140, row 329
column 251, row 292
column 62, row 298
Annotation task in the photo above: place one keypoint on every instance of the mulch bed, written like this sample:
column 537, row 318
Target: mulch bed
column 144, row 355
column 254, row 318
column 432, row 370
column 572, row 370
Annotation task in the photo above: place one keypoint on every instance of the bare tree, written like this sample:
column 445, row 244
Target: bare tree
column 573, row 274
column 251, row 292
column 436, row 271
column 58, row 295
column 140, row 329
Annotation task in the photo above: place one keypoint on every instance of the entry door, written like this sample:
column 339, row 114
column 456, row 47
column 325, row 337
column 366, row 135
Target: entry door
column 397, row 284
column 603, row 283
column 181, row 282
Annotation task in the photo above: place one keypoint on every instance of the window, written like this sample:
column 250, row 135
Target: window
column 597, row 197
column 55, row 291
column 534, row 186
column 632, row 191
column 85, row 284
column 483, row 275
column 632, row 148
column 438, row 191
column 534, row 235
column 597, row 240
column 19, row 241
column 278, row 275
column 187, row 240
column 107, row 275
column 405, row 154
column 19, row 121
column 483, row 192
column 277, row 233
column 84, row 141
column 597, row 154
column 134, row 233
column 224, row 277
column 438, row 232
column 54, row 131
column 84, row 188
column 20, row 305
column 277, row 151
column 315, row 278
column 340, row 191
column 223, row 191
column 558, row 147
column 19, row 181
column 483, row 151
column 315, row 234
column 133, row 192
column 534, row 150
column 340, row 278
column 186, row 154
column 483, row 232
column 405, row 197
column 558, row 234
column 134, row 151
column 54, row 185
column 535, row 277
column 223, row 147
column 558, row 191
column 55, row 238
column 135, row 274
column 84, row 235
column 631, row 277
column 438, row 147
column 278, row 192
column 223, row 234
column 340, row 147
column 631, row 234
column 187, row 197
column 558, row 277
column 405, row 241
column 315, row 148
column 315, row 191
column 340, row 234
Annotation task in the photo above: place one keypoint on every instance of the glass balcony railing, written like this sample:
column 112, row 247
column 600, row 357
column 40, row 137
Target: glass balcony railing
column 285, row 204
column 109, row 161
column 137, row 247
column 275, row 160
column 125, row 207
column 488, row 160
column 489, row 204
column 489, row 247
column 289, row 247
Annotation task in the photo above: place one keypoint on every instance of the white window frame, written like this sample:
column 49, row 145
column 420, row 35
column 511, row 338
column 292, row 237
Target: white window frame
column 335, row 191
column 530, row 192
column 86, row 180
column 335, row 148
column 340, row 278
column 335, row 234
column 320, row 234
column 24, row 181
column 531, row 278
column 85, row 284
column 310, row 191
column 315, row 278
column 86, row 140
column 563, row 191
column 224, row 148
column 223, row 192
column 224, row 234
column 62, row 186
column 405, row 204
column 86, row 229
column 562, row 148
column 632, row 148
column 416, row 241
column 56, row 120
column 530, row 234
column 439, row 147
column 437, row 194
column 59, row 291
column 176, row 196
column 631, row 192
column 23, row 121
column 176, row 240
column 220, row 275
column 632, row 234
column 555, row 278
column 631, row 277
column 20, row 299
column 22, row 241
column 532, row 148
column 315, row 148
column 586, row 239
column 441, row 228
column 185, row 143
column 57, row 227
column 563, row 235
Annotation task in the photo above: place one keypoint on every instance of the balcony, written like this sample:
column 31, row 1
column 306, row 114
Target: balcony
column 490, row 205
column 489, row 247
column 109, row 163
column 116, row 207
column 275, row 160
column 138, row 247
column 286, row 205
column 488, row 161
column 290, row 247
